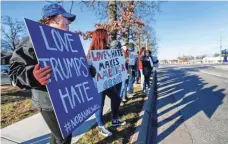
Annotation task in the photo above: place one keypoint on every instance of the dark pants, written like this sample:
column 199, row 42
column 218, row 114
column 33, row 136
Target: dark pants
column 56, row 137
column 146, row 81
column 114, row 94
column 138, row 75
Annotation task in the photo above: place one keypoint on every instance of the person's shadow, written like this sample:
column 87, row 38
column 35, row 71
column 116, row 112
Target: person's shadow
column 190, row 94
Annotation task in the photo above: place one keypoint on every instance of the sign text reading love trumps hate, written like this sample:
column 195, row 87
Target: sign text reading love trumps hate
column 71, row 88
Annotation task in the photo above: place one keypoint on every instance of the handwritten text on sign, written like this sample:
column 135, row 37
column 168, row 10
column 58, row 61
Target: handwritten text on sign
column 110, row 66
column 71, row 88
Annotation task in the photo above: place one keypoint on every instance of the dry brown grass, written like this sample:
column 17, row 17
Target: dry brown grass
column 16, row 105
column 121, row 135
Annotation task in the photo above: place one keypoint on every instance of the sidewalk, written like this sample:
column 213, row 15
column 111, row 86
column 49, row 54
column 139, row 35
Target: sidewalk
column 34, row 130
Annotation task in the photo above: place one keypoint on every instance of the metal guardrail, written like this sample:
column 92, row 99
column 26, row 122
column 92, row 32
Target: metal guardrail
column 148, row 130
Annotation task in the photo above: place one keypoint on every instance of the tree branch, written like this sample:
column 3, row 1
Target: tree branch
column 72, row 3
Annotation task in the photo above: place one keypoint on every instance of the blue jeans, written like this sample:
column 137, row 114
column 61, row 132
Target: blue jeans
column 123, row 92
column 113, row 94
column 131, row 79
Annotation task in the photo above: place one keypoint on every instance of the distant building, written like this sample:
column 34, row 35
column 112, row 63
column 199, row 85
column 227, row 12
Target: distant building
column 183, row 61
column 211, row 60
column 168, row 61
column 163, row 62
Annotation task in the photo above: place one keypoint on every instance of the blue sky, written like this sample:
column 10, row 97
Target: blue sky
column 85, row 19
column 191, row 28
column 182, row 28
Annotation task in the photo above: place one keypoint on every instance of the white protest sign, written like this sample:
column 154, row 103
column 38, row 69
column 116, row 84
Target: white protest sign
column 110, row 67
column 132, row 58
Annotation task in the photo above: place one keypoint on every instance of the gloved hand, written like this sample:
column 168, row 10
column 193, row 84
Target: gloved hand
column 92, row 71
column 42, row 74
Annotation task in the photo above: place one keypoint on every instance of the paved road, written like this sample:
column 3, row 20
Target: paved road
column 193, row 105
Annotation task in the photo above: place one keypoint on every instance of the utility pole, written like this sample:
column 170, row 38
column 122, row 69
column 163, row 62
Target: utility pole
column 146, row 45
column 147, row 40
column 139, row 41
column 221, row 48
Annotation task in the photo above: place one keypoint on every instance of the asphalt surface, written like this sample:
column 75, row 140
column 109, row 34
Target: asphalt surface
column 193, row 104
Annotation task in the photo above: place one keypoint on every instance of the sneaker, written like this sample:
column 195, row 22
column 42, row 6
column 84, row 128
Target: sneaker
column 118, row 123
column 147, row 92
column 104, row 131
column 124, row 100
column 130, row 95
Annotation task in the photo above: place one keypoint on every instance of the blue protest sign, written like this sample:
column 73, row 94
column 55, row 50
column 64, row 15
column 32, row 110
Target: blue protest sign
column 71, row 88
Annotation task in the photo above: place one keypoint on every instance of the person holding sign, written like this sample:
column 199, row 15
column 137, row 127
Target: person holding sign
column 26, row 72
column 138, row 71
column 147, row 69
column 140, row 66
column 100, row 42
column 132, row 64
column 124, row 86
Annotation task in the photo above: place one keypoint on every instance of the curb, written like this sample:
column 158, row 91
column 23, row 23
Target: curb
column 146, row 131
column 134, row 137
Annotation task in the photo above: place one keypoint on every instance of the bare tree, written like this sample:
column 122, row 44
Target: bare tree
column 112, row 8
column 125, row 19
column 99, row 7
column 60, row 2
column 147, row 9
column 216, row 54
column 12, row 32
column 146, row 37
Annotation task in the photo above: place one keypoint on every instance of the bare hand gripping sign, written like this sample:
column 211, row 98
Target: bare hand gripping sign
column 110, row 67
column 71, row 88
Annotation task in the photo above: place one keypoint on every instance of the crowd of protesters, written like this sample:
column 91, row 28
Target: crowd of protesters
column 140, row 70
column 26, row 72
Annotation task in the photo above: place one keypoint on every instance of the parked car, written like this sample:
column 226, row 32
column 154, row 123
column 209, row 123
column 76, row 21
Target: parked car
column 4, row 75
column 5, row 69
